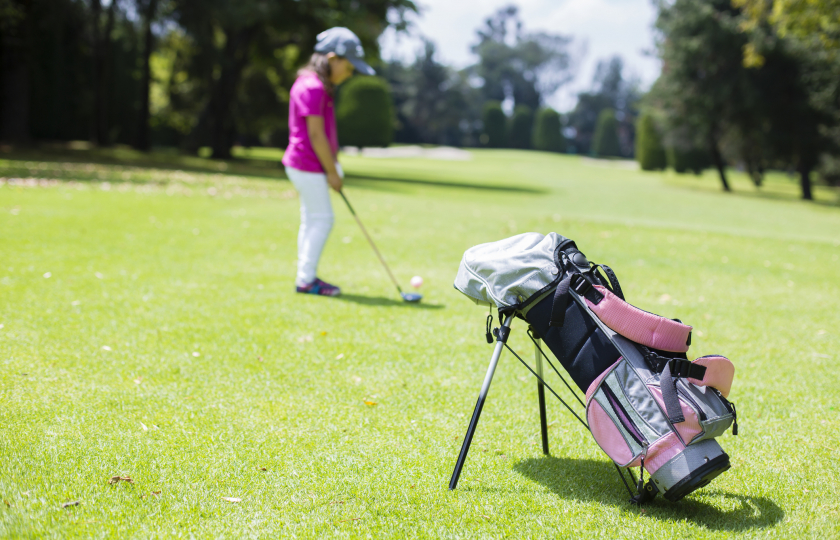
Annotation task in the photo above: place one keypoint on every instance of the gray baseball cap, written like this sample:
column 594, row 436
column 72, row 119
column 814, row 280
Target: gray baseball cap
column 343, row 42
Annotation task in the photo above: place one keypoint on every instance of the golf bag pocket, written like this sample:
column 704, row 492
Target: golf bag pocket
column 623, row 417
column 719, row 373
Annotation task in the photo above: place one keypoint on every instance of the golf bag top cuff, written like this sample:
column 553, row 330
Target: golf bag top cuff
column 639, row 325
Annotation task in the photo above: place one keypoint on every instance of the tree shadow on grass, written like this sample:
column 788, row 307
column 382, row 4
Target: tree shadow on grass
column 592, row 480
column 384, row 302
column 526, row 190
column 259, row 169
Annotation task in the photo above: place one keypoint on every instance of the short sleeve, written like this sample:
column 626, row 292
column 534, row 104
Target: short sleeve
column 310, row 99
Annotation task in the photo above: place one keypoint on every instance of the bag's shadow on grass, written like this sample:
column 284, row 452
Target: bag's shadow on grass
column 384, row 302
column 374, row 181
column 591, row 480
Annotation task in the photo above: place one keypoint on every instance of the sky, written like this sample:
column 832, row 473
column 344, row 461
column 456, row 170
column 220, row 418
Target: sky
column 600, row 28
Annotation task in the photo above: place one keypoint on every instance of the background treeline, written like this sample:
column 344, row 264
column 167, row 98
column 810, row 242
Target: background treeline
column 746, row 83
column 186, row 73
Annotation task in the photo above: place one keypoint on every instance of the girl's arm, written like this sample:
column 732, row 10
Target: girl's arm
column 318, row 138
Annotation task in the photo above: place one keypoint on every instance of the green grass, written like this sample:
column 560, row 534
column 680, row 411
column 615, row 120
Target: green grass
column 221, row 382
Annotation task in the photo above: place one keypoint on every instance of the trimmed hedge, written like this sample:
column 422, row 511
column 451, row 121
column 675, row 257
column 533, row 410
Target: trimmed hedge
column 547, row 132
column 605, row 141
column 364, row 112
column 649, row 151
column 521, row 127
column 683, row 161
column 495, row 125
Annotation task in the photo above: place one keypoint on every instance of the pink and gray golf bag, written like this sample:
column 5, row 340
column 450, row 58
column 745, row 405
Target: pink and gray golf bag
column 645, row 404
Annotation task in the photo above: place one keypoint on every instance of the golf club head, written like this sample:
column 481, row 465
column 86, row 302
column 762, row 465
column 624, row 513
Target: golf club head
column 411, row 297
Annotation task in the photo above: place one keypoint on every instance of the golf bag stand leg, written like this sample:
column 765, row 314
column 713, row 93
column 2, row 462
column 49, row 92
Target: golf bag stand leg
column 541, row 395
column 501, row 338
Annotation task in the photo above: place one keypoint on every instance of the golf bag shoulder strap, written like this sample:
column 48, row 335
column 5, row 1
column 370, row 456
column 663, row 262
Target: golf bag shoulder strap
column 581, row 286
column 639, row 325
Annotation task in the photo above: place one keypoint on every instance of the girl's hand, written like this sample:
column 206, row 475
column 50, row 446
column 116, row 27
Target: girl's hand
column 334, row 180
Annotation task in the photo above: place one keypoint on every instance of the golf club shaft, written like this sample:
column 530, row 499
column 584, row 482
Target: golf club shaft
column 370, row 241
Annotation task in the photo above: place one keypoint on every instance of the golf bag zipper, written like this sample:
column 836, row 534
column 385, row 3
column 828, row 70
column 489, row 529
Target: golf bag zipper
column 623, row 417
column 729, row 407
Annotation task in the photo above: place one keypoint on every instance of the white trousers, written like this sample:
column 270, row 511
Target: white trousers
column 316, row 220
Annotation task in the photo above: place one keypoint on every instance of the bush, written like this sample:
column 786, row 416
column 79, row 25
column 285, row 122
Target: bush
column 605, row 141
column 678, row 160
column 364, row 112
column 649, row 151
column 495, row 125
column 547, row 132
column 693, row 159
column 521, row 126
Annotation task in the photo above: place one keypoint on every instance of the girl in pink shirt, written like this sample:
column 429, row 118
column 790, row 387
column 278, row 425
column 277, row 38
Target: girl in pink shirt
column 311, row 157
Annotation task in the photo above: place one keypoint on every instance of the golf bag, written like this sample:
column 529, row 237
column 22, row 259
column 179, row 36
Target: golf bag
column 646, row 404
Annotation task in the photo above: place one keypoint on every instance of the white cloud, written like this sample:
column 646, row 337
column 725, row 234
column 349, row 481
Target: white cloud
column 607, row 27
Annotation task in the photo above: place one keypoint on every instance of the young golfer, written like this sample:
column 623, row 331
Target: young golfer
column 311, row 157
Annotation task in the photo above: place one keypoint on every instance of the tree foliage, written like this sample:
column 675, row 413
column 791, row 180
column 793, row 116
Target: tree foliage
column 206, row 73
column 732, row 109
column 814, row 22
column 548, row 135
column 433, row 102
column 364, row 113
column 519, row 65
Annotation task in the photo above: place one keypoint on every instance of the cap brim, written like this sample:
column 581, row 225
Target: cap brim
column 361, row 67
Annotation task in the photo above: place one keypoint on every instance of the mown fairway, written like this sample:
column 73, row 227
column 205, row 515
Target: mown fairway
column 149, row 329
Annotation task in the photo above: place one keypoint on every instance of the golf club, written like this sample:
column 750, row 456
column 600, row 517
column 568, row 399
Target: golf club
column 408, row 297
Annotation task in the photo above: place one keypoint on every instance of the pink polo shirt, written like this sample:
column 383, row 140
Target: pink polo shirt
column 308, row 97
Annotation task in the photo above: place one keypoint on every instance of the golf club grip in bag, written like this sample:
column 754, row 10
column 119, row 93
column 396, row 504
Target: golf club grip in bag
column 647, row 405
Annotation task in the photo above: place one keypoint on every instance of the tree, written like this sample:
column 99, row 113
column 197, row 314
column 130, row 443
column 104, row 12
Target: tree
column 521, row 126
column 808, row 32
column 610, row 90
column 231, row 36
column 548, row 135
column 605, row 141
column 149, row 10
column 702, row 84
column 364, row 113
column 14, row 71
column 518, row 65
column 433, row 103
column 495, row 125
column 649, row 151
column 102, row 41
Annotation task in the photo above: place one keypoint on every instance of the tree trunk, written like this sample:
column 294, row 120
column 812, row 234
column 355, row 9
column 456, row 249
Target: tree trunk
column 103, row 104
column 234, row 60
column 143, row 142
column 755, row 172
column 805, row 179
column 96, row 48
column 719, row 164
column 14, row 77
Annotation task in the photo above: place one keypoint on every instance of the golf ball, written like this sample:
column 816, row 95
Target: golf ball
column 416, row 282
